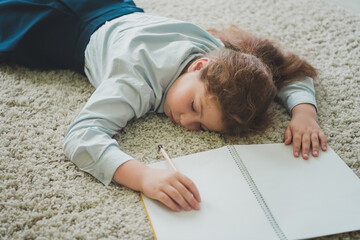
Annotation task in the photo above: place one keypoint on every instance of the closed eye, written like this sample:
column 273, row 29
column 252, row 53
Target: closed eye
column 192, row 106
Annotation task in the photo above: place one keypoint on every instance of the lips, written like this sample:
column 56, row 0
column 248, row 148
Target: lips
column 171, row 117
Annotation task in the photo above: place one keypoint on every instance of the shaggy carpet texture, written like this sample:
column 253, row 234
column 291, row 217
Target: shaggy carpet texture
column 44, row 196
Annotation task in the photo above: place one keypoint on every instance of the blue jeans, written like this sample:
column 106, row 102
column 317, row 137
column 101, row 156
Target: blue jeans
column 49, row 34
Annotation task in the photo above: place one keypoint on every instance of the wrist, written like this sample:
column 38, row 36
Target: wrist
column 304, row 109
column 131, row 174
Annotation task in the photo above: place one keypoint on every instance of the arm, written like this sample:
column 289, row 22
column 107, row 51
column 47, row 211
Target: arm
column 89, row 144
column 88, row 141
column 303, row 129
column 168, row 186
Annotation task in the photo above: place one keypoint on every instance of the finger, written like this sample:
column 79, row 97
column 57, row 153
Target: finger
column 177, row 197
column 323, row 141
column 315, row 144
column 167, row 201
column 305, row 145
column 190, row 185
column 287, row 136
column 296, row 145
column 187, row 196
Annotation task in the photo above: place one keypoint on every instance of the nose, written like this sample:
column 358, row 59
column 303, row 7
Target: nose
column 190, row 121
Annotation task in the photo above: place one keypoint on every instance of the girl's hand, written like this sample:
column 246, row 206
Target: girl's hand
column 171, row 188
column 304, row 131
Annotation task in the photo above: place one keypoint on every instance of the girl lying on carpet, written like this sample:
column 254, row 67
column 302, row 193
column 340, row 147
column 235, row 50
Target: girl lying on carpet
column 221, row 81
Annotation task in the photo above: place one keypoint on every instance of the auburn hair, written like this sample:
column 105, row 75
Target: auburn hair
column 245, row 76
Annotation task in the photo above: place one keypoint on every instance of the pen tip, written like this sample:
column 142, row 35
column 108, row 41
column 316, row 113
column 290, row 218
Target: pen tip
column 160, row 146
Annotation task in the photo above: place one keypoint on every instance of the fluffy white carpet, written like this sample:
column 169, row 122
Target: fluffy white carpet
column 44, row 196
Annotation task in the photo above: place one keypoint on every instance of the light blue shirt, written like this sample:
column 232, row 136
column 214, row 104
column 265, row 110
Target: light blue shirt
column 300, row 91
column 132, row 61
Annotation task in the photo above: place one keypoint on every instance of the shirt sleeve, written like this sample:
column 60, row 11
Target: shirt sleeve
column 298, row 92
column 88, row 141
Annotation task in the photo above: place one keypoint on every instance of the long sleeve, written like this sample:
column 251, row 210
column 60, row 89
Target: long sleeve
column 131, row 61
column 88, row 141
column 298, row 92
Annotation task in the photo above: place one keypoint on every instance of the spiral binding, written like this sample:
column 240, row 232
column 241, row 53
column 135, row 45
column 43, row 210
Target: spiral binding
column 256, row 192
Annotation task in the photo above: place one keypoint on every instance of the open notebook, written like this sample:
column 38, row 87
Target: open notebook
column 261, row 192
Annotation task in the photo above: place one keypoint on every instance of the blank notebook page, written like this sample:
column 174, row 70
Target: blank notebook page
column 302, row 198
column 228, row 208
column 308, row 198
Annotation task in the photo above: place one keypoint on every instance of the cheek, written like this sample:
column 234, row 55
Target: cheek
column 173, row 96
column 176, row 103
column 179, row 96
column 168, row 99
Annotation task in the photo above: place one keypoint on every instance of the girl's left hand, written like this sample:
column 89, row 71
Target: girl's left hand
column 304, row 131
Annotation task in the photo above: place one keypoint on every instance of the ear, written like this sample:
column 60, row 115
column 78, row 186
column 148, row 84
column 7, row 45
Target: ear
column 198, row 64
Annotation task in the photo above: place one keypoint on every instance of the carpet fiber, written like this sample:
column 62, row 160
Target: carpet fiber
column 44, row 196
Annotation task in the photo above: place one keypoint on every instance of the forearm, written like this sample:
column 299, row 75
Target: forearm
column 304, row 109
column 130, row 174
column 298, row 92
column 94, row 151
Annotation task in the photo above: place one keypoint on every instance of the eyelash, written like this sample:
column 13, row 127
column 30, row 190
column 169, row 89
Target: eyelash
column 192, row 106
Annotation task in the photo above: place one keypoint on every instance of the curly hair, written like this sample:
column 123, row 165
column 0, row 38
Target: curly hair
column 245, row 76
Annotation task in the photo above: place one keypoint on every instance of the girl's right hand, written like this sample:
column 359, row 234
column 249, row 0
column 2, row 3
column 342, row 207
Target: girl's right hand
column 171, row 188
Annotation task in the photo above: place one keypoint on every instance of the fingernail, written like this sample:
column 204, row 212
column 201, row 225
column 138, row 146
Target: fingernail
column 315, row 153
column 296, row 154
column 197, row 206
column 306, row 155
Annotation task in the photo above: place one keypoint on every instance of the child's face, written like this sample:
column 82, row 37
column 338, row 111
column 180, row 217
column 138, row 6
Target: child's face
column 187, row 104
